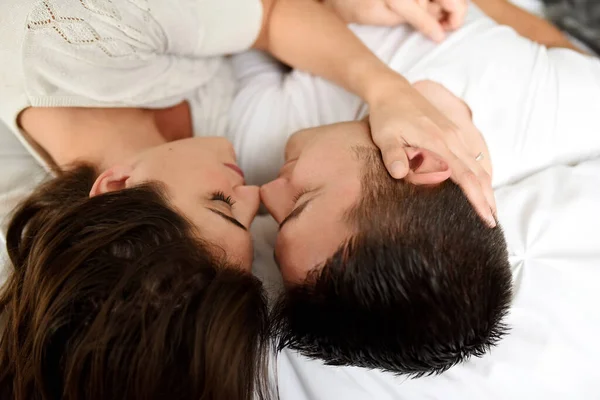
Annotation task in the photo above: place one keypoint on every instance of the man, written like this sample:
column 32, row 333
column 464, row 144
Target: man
column 381, row 273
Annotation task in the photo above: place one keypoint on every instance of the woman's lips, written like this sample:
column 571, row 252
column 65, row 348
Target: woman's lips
column 236, row 169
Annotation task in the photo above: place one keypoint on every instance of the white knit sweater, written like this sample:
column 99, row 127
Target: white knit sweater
column 117, row 53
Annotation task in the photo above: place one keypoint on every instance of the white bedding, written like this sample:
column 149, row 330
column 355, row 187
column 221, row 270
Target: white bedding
column 551, row 222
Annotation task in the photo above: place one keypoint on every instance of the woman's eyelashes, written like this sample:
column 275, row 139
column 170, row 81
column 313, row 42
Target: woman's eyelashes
column 220, row 196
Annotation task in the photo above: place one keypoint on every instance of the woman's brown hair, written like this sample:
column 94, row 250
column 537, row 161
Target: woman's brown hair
column 114, row 297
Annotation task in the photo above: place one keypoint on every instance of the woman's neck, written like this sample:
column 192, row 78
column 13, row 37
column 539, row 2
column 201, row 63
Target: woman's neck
column 102, row 137
column 174, row 123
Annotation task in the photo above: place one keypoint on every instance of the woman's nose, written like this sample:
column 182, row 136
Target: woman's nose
column 249, row 197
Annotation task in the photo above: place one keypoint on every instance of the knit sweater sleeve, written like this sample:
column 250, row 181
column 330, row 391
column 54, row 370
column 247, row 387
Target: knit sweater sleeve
column 130, row 52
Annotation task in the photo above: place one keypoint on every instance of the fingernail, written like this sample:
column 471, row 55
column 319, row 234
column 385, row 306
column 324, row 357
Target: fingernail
column 492, row 221
column 398, row 169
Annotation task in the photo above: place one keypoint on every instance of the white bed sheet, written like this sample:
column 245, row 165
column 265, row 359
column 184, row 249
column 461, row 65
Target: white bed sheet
column 551, row 221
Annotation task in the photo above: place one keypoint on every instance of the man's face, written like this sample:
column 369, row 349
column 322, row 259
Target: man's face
column 320, row 180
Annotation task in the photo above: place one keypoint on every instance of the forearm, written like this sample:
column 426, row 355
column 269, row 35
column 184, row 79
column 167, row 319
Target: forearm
column 528, row 25
column 307, row 35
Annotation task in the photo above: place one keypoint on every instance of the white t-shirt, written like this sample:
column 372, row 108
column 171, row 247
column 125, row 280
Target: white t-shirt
column 141, row 53
column 535, row 107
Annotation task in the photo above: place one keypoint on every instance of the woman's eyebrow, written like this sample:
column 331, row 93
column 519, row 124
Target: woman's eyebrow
column 228, row 218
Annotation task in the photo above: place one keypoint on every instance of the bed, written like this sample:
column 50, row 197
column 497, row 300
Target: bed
column 551, row 221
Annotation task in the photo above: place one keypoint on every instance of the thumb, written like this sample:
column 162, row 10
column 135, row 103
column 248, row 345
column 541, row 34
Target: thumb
column 395, row 159
column 419, row 18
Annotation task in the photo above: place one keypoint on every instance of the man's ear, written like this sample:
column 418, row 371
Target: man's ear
column 112, row 180
column 426, row 167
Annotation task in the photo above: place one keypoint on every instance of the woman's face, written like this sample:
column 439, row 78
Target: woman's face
column 203, row 182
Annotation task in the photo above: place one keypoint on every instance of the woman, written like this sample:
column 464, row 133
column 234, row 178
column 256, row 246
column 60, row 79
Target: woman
column 135, row 283
column 118, row 297
column 131, row 268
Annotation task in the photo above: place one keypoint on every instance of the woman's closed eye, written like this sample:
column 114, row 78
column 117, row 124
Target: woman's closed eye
column 220, row 196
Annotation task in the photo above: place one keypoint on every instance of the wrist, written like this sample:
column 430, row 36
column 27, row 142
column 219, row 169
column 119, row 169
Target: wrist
column 373, row 79
column 378, row 86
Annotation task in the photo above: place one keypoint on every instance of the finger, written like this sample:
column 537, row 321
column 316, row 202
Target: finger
column 418, row 18
column 385, row 17
column 471, row 178
column 483, row 176
column 423, row 4
column 446, row 24
column 378, row 14
column 456, row 11
column 395, row 158
column 435, row 10
column 469, row 168
column 485, row 180
column 469, row 182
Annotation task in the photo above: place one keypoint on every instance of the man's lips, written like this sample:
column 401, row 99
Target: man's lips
column 290, row 161
column 236, row 169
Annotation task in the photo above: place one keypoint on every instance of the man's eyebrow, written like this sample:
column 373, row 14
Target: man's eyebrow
column 228, row 218
column 296, row 213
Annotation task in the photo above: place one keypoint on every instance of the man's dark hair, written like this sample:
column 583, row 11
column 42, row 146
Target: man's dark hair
column 422, row 285
column 116, row 297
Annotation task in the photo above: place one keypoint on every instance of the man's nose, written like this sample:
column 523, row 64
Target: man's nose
column 277, row 197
